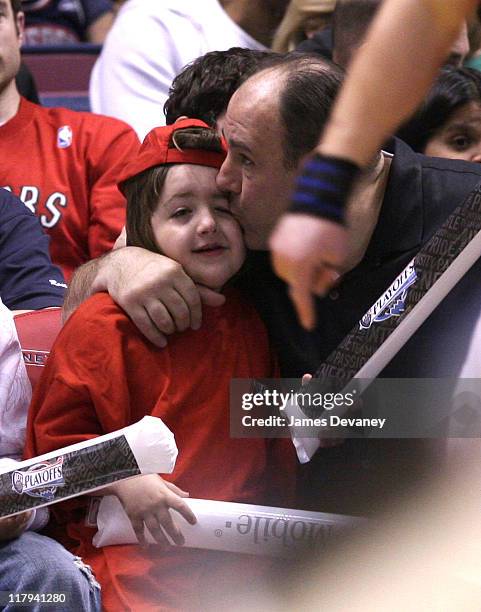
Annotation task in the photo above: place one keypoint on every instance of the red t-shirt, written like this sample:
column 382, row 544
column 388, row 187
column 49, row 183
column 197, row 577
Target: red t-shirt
column 64, row 166
column 102, row 375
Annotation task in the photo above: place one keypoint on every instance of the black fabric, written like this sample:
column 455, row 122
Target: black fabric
column 26, row 84
column 320, row 42
column 420, row 194
column 360, row 476
column 28, row 279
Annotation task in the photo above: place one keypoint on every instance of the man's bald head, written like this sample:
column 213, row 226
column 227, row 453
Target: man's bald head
column 307, row 88
column 272, row 121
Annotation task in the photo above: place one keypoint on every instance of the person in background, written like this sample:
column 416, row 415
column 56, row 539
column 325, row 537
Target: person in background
column 28, row 280
column 351, row 21
column 303, row 19
column 448, row 123
column 62, row 164
column 150, row 43
column 56, row 22
column 26, row 85
column 406, row 44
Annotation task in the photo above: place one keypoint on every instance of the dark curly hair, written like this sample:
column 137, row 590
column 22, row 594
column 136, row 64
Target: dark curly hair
column 205, row 86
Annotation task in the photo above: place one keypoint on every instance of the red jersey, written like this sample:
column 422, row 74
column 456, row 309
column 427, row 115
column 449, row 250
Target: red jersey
column 103, row 375
column 64, row 166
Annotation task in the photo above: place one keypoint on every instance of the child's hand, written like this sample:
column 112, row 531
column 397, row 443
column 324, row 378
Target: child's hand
column 13, row 526
column 147, row 500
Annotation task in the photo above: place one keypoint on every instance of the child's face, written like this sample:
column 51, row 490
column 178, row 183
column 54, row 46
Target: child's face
column 460, row 136
column 193, row 224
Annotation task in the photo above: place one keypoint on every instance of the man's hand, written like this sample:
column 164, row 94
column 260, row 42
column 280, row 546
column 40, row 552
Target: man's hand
column 306, row 251
column 13, row 526
column 155, row 292
column 147, row 500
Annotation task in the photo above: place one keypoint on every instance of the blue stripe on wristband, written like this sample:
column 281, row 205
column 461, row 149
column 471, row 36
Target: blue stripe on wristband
column 305, row 199
column 324, row 186
column 310, row 181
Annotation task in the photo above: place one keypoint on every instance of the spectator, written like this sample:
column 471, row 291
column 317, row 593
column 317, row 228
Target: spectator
column 62, row 164
column 351, row 22
column 175, row 208
column 29, row 562
column 289, row 104
column 303, row 19
column 55, row 22
column 151, row 42
column 407, row 43
column 28, row 280
column 448, row 123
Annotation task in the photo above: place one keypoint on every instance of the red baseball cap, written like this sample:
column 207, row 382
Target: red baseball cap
column 155, row 151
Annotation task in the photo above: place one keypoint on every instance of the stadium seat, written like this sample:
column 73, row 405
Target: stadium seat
column 62, row 74
column 37, row 331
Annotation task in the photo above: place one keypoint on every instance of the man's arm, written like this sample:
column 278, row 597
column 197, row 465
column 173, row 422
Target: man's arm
column 154, row 290
column 388, row 78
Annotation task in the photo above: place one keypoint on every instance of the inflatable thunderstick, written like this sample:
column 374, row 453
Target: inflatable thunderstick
column 411, row 298
column 147, row 447
column 233, row 527
column 403, row 307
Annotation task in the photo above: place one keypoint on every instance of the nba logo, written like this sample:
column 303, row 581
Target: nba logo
column 64, row 137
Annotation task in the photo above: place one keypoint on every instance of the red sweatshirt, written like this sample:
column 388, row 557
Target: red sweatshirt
column 64, row 166
column 103, row 375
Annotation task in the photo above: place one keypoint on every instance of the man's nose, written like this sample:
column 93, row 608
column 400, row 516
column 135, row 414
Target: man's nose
column 229, row 179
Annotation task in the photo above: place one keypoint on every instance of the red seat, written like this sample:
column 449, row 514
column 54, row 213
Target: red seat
column 37, row 331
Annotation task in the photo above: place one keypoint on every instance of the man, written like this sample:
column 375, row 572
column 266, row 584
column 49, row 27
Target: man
column 407, row 43
column 150, row 42
column 29, row 562
column 351, row 21
column 271, row 122
column 62, row 164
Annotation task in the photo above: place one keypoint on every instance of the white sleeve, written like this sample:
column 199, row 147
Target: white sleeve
column 142, row 54
column 15, row 389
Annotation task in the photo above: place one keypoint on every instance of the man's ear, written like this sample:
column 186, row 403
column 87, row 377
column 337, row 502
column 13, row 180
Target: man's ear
column 20, row 25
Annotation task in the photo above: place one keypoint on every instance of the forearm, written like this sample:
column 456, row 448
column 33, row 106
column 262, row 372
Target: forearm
column 391, row 73
column 86, row 281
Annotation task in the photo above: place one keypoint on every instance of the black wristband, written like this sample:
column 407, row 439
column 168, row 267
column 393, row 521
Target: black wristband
column 324, row 186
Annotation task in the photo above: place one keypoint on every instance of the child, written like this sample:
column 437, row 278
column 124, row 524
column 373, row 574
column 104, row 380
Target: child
column 102, row 375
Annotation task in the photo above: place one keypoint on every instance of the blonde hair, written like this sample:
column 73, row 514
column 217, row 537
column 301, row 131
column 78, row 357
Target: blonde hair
column 291, row 30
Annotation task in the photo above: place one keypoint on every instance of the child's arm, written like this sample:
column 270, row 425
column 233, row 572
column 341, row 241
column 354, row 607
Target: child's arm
column 147, row 501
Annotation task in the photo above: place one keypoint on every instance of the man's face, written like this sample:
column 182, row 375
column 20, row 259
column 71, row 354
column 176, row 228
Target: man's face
column 254, row 171
column 11, row 31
